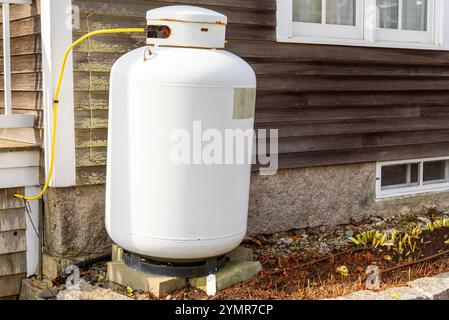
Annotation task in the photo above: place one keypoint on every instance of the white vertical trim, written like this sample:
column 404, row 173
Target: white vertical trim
column 442, row 23
column 284, row 13
column 56, row 37
column 421, row 173
column 323, row 12
column 32, row 239
column 7, row 59
column 370, row 21
column 400, row 14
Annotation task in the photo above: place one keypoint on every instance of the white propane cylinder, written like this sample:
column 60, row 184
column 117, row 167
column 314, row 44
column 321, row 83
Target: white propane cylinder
column 156, row 204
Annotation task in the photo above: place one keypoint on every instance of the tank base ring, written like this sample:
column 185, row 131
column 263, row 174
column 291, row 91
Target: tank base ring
column 174, row 268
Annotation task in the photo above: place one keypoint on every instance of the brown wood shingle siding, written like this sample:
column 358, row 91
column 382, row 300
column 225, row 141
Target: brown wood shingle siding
column 331, row 104
column 26, row 61
column 12, row 242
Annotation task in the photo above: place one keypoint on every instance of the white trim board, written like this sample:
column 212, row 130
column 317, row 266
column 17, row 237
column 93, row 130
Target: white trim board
column 32, row 239
column 13, row 121
column 56, row 32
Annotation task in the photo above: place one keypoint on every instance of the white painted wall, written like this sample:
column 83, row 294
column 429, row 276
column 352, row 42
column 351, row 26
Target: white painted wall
column 56, row 37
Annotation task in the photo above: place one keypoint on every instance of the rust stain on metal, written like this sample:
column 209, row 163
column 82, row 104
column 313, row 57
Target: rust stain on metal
column 147, row 55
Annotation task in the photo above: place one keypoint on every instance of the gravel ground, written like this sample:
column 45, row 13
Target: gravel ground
column 315, row 242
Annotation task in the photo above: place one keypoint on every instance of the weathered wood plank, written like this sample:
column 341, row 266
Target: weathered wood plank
column 116, row 43
column 88, row 157
column 92, row 81
column 94, row 61
column 23, row 27
column 94, row 119
column 345, row 68
column 21, row 11
column 138, row 9
column 25, row 100
column 24, row 45
column 91, row 175
column 337, row 113
column 373, row 99
column 360, row 141
column 7, row 199
column 272, row 99
column 347, row 84
column 25, row 63
column 12, row 241
column 323, row 158
column 13, row 263
column 284, row 99
column 307, row 52
column 12, row 219
column 323, row 128
column 88, row 138
column 10, row 285
column 91, row 100
column 31, row 81
column 249, row 4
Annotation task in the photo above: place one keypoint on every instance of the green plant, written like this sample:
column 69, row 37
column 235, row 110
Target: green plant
column 374, row 238
column 402, row 243
column 363, row 238
column 438, row 224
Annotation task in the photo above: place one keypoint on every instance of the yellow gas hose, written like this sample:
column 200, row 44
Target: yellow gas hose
column 56, row 102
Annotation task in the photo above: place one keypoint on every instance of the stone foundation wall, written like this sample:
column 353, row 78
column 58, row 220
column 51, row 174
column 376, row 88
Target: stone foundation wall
column 291, row 199
column 332, row 195
column 299, row 198
column 74, row 222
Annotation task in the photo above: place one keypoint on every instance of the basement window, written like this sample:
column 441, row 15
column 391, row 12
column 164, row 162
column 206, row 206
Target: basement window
column 401, row 178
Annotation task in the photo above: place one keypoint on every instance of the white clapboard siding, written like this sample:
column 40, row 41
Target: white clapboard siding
column 19, row 177
column 19, row 159
column 19, row 169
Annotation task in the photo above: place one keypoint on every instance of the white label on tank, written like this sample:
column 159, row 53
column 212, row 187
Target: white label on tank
column 244, row 103
column 211, row 285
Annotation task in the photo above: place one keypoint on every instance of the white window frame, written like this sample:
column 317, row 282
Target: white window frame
column 435, row 38
column 324, row 30
column 422, row 187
